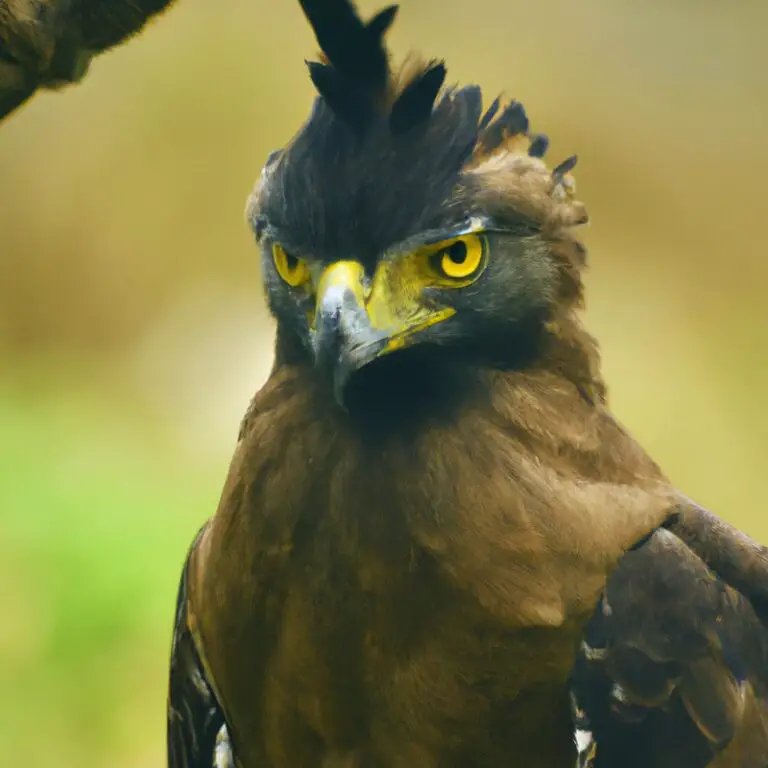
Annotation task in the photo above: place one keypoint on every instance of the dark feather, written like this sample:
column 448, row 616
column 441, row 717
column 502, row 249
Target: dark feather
column 381, row 22
column 511, row 122
column 194, row 716
column 414, row 104
column 736, row 558
column 661, row 672
column 345, row 98
column 539, row 145
column 357, row 78
column 490, row 113
column 565, row 167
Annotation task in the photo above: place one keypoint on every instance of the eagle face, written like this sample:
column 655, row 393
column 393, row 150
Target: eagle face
column 404, row 223
column 355, row 274
column 471, row 288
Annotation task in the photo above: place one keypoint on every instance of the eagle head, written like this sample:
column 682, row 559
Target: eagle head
column 404, row 223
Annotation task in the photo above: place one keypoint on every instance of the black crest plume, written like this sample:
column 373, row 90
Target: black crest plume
column 356, row 81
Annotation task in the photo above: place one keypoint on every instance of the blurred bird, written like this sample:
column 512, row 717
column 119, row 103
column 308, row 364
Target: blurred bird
column 435, row 545
column 50, row 43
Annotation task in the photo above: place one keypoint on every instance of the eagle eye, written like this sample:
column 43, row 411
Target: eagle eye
column 462, row 258
column 293, row 270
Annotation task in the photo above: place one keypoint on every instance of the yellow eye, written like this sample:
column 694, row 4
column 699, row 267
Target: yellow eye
column 462, row 258
column 293, row 270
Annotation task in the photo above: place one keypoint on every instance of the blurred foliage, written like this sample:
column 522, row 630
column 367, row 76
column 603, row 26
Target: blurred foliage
column 132, row 330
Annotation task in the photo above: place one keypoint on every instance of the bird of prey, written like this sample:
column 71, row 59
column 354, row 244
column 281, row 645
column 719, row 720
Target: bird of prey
column 50, row 43
column 435, row 546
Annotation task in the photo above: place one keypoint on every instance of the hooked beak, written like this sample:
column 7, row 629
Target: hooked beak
column 358, row 319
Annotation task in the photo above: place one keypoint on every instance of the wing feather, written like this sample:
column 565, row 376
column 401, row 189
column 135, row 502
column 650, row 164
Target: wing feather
column 673, row 667
column 197, row 732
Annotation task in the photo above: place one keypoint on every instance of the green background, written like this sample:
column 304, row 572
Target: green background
column 132, row 328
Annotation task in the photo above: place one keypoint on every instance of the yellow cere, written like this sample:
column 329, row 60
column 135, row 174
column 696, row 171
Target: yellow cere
column 293, row 270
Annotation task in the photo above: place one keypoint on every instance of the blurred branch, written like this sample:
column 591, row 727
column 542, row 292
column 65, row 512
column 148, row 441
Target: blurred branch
column 50, row 43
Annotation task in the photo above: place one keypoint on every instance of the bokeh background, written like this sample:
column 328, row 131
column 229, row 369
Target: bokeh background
column 132, row 327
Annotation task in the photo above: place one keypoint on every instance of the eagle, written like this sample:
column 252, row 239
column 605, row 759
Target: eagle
column 435, row 547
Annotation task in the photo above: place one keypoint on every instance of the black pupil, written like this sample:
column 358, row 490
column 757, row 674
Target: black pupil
column 457, row 252
column 291, row 262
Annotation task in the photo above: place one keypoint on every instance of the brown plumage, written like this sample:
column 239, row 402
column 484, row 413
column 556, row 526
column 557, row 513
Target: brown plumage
column 435, row 546
column 50, row 43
